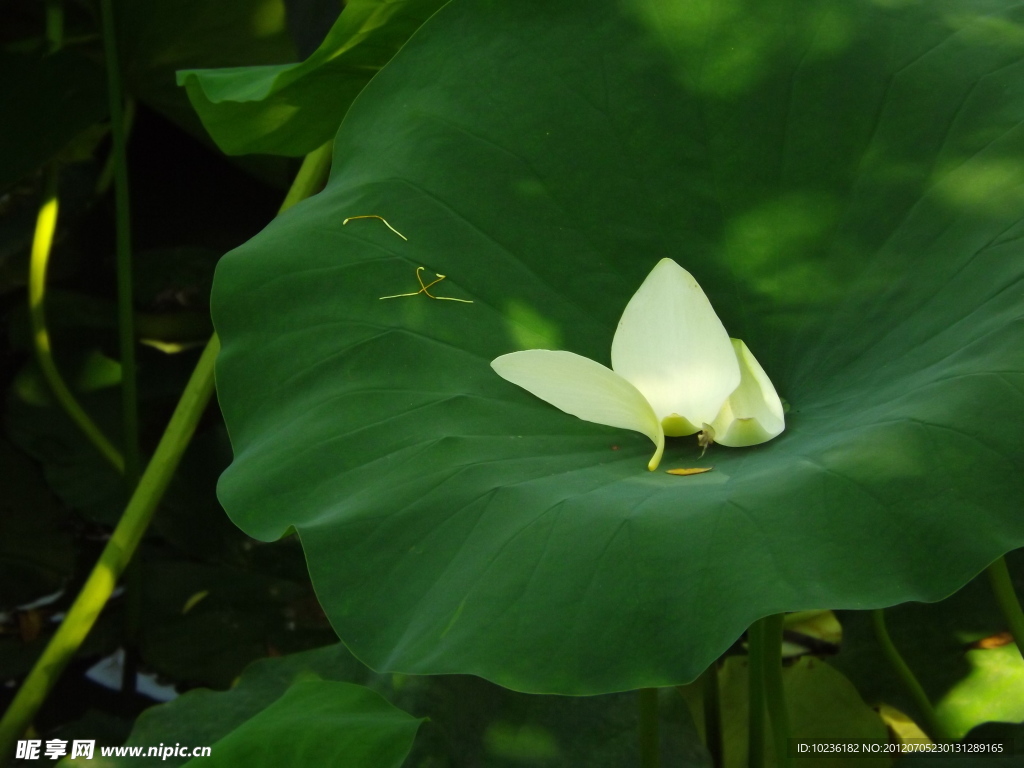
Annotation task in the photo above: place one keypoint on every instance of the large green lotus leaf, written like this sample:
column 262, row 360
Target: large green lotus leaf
column 291, row 109
column 846, row 181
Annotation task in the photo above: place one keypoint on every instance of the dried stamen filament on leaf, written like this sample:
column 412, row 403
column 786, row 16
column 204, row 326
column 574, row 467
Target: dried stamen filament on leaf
column 424, row 289
column 375, row 216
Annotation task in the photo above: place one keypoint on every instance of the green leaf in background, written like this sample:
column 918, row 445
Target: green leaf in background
column 320, row 723
column 157, row 38
column 1010, row 735
column 280, row 713
column 204, row 717
column 954, row 649
column 823, row 705
column 846, row 182
column 75, row 471
column 291, row 109
column 202, row 624
column 48, row 101
column 469, row 721
column 35, row 536
column 990, row 692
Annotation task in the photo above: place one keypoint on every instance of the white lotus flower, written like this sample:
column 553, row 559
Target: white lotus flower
column 675, row 372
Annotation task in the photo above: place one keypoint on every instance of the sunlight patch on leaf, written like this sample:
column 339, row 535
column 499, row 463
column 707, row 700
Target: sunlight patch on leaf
column 529, row 329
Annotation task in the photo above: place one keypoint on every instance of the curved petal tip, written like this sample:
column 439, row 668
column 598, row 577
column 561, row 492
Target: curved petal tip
column 753, row 413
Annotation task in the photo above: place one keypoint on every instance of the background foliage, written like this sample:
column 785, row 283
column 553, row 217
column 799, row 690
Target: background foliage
column 863, row 241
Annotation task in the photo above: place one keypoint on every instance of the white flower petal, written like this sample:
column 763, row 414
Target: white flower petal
column 671, row 346
column 583, row 388
column 753, row 413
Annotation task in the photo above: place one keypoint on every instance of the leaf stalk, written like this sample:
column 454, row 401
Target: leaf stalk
column 907, row 677
column 1006, row 596
column 712, row 714
column 125, row 315
column 42, row 246
column 755, row 696
column 650, row 754
column 98, row 587
column 775, row 694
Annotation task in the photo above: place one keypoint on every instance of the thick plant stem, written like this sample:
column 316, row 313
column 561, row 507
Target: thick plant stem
column 54, row 24
column 907, row 677
column 650, row 754
column 106, row 177
column 712, row 714
column 755, row 696
column 1002, row 585
column 42, row 243
column 311, row 176
column 775, row 694
column 115, row 556
column 125, row 326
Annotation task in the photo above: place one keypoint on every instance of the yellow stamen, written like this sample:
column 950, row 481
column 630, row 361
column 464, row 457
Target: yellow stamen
column 375, row 216
column 424, row 289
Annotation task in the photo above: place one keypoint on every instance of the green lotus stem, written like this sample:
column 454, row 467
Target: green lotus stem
column 755, row 696
column 712, row 714
column 115, row 556
column 54, row 24
column 650, row 754
column 125, row 316
column 311, row 176
column 906, row 675
column 106, row 177
column 1006, row 596
column 775, row 694
column 125, row 326
column 42, row 244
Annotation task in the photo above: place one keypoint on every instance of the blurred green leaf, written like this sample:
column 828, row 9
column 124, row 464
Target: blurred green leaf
column 202, row 624
column 159, row 37
column 75, row 471
column 204, row 716
column 291, row 109
column 823, row 705
column 993, row 690
column 845, row 181
column 304, row 721
column 471, row 721
column 190, row 517
column 309, row 21
column 968, row 684
column 73, row 468
column 320, row 723
column 36, row 554
column 1010, row 735
column 48, row 101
